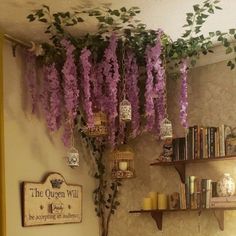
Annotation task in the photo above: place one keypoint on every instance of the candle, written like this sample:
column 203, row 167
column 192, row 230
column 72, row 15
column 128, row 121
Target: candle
column 153, row 196
column 123, row 165
column 147, row 203
column 162, row 201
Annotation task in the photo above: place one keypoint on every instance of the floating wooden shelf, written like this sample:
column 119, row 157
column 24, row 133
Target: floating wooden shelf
column 180, row 166
column 157, row 215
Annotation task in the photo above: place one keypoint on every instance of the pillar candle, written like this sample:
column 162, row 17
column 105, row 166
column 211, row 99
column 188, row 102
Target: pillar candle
column 153, row 196
column 162, row 201
column 123, row 165
column 147, row 203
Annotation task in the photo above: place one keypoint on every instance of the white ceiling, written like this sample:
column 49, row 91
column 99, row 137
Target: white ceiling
column 168, row 14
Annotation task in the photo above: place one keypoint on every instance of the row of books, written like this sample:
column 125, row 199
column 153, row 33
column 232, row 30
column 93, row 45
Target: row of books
column 201, row 142
column 197, row 193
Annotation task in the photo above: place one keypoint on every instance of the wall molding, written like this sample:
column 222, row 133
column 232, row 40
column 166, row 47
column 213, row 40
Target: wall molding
column 2, row 165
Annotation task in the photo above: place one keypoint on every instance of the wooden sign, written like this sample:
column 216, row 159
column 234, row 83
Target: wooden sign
column 52, row 202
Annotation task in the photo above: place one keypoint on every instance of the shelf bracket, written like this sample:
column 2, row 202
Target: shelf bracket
column 219, row 214
column 181, row 170
column 157, row 216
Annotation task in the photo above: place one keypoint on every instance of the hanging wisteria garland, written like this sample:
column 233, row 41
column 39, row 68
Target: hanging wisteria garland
column 85, row 86
column 71, row 90
column 184, row 93
column 111, row 76
column 132, row 90
column 155, row 86
column 51, row 97
column 88, row 85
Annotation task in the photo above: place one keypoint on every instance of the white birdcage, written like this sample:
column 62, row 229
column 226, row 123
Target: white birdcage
column 166, row 131
column 73, row 157
column 125, row 111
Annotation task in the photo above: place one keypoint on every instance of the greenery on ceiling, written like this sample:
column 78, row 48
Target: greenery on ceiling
column 133, row 33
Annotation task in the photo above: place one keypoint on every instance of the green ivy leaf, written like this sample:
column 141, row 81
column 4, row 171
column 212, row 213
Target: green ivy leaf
column 115, row 12
column 232, row 31
column 196, row 7
column 31, row 17
column 229, row 50
column 123, row 9
column 212, row 34
column 79, row 19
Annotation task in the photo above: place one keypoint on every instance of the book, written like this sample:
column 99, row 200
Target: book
column 212, row 142
column 182, row 196
column 224, row 199
column 187, row 192
column 222, row 204
column 217, row 142
column 175, row 143
column 214, row 189
column 224, row 131
column 182, row 149
column 205, row 143
column 197, row 194
column 203, row 191
column 191, row 192
column 196, row 141
column 208, row 193
column 201, row 143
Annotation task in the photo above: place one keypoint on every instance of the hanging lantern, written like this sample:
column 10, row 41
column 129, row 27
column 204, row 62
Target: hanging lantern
column 166, row 129
column 125, row 111
column 100, row 125
column 73, row 157
column 122, row 162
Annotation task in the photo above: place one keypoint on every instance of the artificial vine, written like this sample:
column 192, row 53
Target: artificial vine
column 92, row 71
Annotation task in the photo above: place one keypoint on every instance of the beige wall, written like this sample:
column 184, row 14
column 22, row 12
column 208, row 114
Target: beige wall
column 30, row 153
column 212, row 96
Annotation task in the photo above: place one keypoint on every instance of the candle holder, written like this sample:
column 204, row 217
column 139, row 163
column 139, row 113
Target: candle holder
column 100, row 126
column 122, row 162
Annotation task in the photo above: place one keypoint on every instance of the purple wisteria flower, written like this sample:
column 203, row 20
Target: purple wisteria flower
column 71, row 89
column 132, row 90
column 184, row 93
column 86, row 78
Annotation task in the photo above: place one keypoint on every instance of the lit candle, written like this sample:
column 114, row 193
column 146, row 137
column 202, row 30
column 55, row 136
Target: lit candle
column 147, row 203
column 123, row 165
column 162, row 201
column 153, row 196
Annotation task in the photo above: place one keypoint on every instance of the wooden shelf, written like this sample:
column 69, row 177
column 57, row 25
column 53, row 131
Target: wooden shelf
column 157, row 215
column 180, row 166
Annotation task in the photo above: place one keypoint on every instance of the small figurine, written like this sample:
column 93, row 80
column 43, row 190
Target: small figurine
column 167, row 153
column 174, row 201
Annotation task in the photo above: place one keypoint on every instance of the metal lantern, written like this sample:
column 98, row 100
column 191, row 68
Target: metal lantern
column 100, row 125
column 122, row 162
column 73, row 157
column 125, row 111
column 166, row 129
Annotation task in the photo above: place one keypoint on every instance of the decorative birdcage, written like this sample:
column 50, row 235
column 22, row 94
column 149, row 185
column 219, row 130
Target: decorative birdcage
column 73, row 157
column 122, row 162
column 100, row 125
column 166, row 129
column 125, row 111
